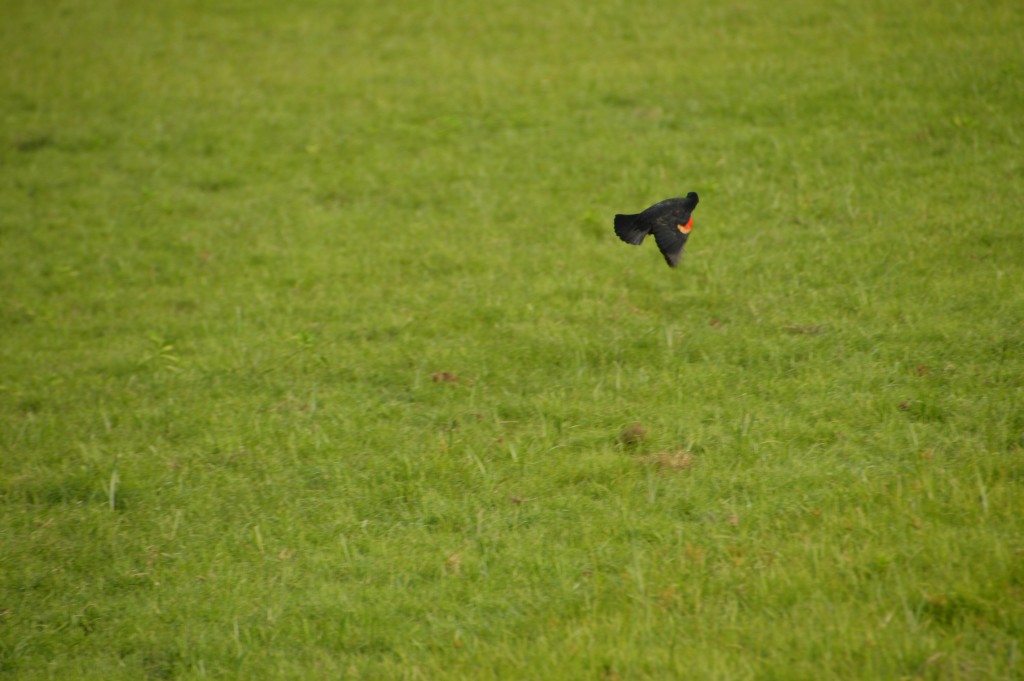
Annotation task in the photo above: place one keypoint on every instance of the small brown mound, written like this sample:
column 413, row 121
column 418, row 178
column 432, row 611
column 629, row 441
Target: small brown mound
column 633, row 435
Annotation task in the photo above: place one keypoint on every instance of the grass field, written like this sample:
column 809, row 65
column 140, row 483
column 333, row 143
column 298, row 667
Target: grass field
column 319, row 357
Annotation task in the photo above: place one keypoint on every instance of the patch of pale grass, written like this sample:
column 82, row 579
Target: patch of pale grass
column 669, row 461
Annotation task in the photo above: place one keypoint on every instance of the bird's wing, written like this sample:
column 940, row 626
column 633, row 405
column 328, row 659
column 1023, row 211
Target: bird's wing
column 671, row 240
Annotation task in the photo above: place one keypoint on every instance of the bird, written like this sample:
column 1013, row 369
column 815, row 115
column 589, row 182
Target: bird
column 670, row 221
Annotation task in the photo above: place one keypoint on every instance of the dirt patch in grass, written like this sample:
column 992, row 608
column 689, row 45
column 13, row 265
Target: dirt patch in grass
column 670, row 461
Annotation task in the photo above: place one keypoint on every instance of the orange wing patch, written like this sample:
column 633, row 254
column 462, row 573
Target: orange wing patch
column 685, row 229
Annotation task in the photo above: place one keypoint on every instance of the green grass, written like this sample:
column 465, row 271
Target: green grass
column 238, row 240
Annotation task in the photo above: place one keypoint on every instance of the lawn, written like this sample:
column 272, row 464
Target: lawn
column 319, row 357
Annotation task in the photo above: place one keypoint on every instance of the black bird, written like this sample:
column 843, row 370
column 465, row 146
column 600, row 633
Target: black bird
column 670, row 221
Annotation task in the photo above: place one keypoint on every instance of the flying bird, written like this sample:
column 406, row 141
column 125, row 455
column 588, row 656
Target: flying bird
column 670, row 221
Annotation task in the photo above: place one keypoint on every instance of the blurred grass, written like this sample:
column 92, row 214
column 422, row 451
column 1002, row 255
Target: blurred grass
column 239, row 240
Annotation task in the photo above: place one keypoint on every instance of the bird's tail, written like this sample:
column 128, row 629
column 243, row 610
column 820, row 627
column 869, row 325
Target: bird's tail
column 629, row 229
